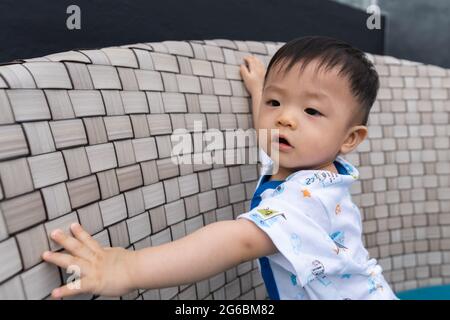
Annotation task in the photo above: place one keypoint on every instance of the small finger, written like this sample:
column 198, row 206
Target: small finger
column 76, row 287
column 84, row 237
column 62, row 260
column 71, row 244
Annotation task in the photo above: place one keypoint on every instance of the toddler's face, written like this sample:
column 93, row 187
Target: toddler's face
column 313, row 110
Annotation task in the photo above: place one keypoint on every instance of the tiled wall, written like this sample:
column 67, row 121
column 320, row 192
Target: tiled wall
column 85, row 136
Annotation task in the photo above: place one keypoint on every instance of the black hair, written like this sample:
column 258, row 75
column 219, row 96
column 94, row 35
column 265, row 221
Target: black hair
column 352, row 63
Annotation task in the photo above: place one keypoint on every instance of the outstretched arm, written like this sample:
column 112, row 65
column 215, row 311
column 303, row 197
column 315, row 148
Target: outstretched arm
column 199, row 255
column 202, row 254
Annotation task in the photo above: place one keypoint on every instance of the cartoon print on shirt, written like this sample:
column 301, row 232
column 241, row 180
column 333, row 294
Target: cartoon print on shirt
column 306, row 193
column 374, row 282
column 296, row 243
column 308, row 180
column 260, row 221
column 328, row 178
column 338, row 238
column 346, row 276
column 338, row 209
column 269, row 213
column 318, row 272
column 293, row 279
column 266, row 217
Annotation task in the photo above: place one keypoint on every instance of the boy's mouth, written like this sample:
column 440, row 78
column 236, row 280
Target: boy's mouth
column 282, row 142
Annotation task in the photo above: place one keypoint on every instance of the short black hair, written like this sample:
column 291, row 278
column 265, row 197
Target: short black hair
column 352, row 63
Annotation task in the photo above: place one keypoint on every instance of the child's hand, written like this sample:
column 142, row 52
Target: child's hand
column 253, row 72
column 104, row 271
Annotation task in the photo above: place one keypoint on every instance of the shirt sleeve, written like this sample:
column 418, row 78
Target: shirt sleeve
column 293, row 217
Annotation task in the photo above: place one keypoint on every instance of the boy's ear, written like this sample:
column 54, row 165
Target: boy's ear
column 355, row 136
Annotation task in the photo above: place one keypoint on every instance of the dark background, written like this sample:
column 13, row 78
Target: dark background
column 418, row 30
column 33, row 28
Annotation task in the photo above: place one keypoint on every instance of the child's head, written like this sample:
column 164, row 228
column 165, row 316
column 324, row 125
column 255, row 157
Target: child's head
column 318, row 92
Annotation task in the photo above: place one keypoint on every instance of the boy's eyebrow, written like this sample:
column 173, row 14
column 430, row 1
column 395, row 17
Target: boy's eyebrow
column 313, row 94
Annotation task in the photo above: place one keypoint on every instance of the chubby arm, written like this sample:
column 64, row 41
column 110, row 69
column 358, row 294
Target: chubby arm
column 199, row 255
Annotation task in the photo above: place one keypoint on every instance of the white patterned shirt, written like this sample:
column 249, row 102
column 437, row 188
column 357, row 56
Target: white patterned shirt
column 317, row 230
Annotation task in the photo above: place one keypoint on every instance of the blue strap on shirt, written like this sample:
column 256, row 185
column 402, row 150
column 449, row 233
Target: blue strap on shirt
column 266, row 270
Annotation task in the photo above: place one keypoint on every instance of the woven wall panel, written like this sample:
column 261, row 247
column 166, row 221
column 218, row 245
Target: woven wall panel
column 85, row 136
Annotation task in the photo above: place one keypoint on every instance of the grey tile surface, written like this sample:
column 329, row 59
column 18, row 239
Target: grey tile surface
column 56, row 199
column 39, row 137
column 139, row 227
column 95, row 129
column 87, row 103
column 6, row 115
column 79, row 74
column 59, row 104
column 68, row 133
column 149, row 80
column 47, row 169
column 153, row 195
column 104, row 77
column 108, row 183
column 90, row 218
column 23, row 211
column 28, row 105
column 49, row 75
column 16, row 177
column 113, row 102
column 3, row 230
column 125, row 152
column 10, row 259
column 135, row 202
column 39, row 281
column 129, row 177
column 118, row 234
column 140, row 126
column 77, row 163
column 101, row 157
column 32, row 243
column 145, row 149
column 12, row 142
column 12, row 290
column 83, row 191
column 134, row 102
column 113, row 210
column 118, row 127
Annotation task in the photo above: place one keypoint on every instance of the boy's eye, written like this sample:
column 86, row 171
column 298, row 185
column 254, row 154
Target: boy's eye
column 277, row 104
column 312, row 112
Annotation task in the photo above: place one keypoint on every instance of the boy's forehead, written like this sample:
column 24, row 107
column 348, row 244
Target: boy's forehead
column 311, row 71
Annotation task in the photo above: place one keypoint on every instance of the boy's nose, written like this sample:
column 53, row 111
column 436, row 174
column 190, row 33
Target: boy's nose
column 286, row 120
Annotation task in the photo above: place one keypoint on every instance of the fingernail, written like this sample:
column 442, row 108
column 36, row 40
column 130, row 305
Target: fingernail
column 55, row 293
column 55, row 233
column 75, row 225
column 46, row 254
